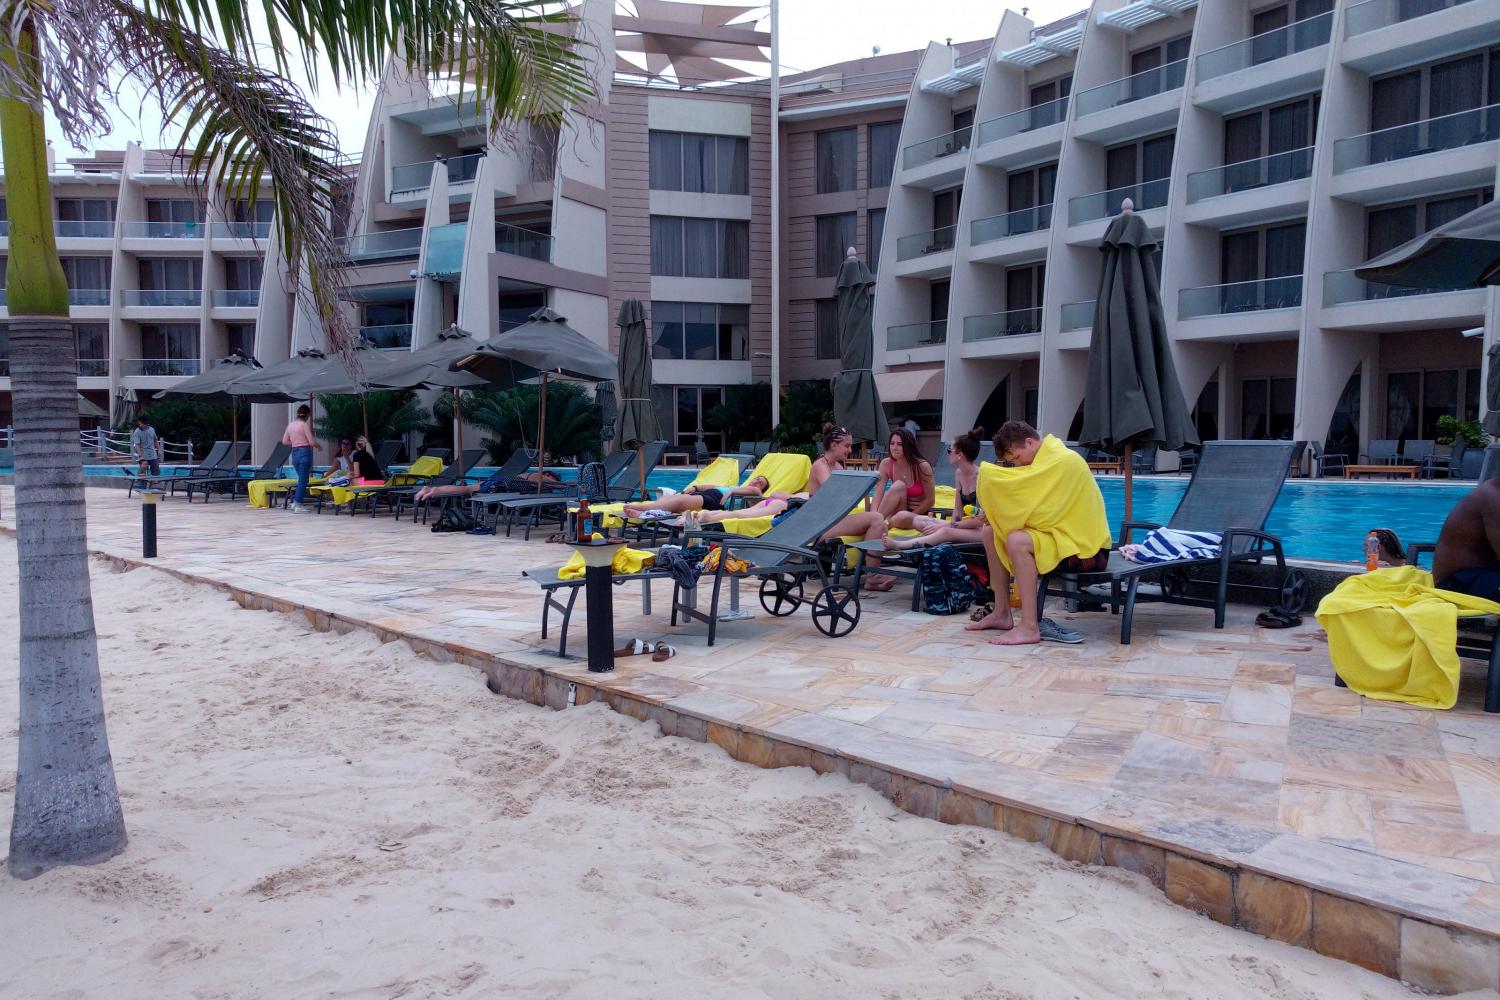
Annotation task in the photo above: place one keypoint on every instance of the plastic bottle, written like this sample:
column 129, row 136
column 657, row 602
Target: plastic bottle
column 1372, row 552
column 584, row 521
column 1015, row 596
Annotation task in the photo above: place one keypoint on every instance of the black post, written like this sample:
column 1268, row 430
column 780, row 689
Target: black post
column 148, row 529
column 599, row 592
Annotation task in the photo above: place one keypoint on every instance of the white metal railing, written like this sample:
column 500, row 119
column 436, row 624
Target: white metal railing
column 115, row 445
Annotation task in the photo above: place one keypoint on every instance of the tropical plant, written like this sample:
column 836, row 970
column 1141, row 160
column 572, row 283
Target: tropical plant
column 218, row 68
column 572, row 419
column 805, row 408
column 745, row 415
column 184, row 420
column 1450, row 429
column 439, row 433
column 385, row 415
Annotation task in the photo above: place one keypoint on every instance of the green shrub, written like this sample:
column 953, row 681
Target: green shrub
column 805, row 408
column 183, row 420
column 1450, row 428
column 392, row 414
column 745, row 415
column 573, row 419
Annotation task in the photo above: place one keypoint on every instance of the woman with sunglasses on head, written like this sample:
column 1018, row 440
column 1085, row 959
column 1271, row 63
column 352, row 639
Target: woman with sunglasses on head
column 964, row 453
column 904, row 484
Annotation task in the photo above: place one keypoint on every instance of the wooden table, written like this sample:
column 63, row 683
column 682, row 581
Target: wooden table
column 861, row 464
column 1392, row 471
column 1104, row 466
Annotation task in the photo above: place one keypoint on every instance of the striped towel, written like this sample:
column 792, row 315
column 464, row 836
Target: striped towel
column 1164, row 545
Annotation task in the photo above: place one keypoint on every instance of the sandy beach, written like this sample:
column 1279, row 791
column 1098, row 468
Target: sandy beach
column 314, row 815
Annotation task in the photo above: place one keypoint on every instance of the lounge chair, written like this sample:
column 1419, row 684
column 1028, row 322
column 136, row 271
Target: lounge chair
column 519, row 461
column 386, row 453
column 210, row 466
column 269, row 469
column 1323, row 462
column 1419, row 453
column 1232, row 491
column 532, row 507
column 398, row 482
column 1382, row 452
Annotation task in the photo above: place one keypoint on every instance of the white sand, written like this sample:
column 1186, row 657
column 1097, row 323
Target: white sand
column 322, row 816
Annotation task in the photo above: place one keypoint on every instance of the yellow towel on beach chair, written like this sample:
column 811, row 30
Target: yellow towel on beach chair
column 1055, row 500
column 259, row 490
column 423, row 468
column 626, row 562
column 787, row 473
column 1393, row 636
column 723, row 472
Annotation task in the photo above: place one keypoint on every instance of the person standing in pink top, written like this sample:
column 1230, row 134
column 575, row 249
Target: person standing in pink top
column 299, row 435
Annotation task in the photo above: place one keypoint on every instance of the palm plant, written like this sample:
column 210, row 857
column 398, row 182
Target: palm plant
column 218, row 69
column 572, row 418
column 388, row 413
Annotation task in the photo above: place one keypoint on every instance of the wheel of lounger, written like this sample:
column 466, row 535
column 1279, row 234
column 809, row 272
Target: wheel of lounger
column 1174, row 583
column 835, row 611
column 1294, row 590
column 781, row 594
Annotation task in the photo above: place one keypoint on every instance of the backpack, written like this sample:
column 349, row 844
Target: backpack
column 593, row 483
column 452, row 519
column 947, row 587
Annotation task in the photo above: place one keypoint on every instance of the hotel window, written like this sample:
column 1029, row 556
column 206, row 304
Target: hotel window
column 86, row 272
column 1416, row 400
column 835, row 235
column 826, row 329
column 173, row 210
column 945, row 206
column 875, row 232
column 1388, row 227
column 1170, row 57
column 1266, row 132
column 240, row 337
column 1030, row 189
column 1267, row 408
column 835, row 154
column 885, row 140
column 169, row 342
column 91, row 341
column 1249, row 259
column 1139, row 170
column 688, row 161
column 241, row 210
column 164, row 273
column 1045, row 109
column 86, row 209
column 963, row 128
column 1446, row 88
column 242, row 273
column 1270, row 19
column 700, row 331
column 699, row 248
column 1024, row 287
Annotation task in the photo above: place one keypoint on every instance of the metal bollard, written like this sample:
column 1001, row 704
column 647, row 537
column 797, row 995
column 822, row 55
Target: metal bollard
column 149, row 500
column 599, row 593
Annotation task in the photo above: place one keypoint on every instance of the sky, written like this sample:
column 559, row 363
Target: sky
column 813, row 33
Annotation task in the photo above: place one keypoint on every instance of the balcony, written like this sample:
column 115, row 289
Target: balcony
column 1373, row 14
column 445, row 251
column 1240, row 297
column 164, row 230
column 1432, row 135
column 1129, row 89
column 1104, row 204
column 522, row 242
column 389, row 337
column 89, row 229
column 1342, row 287
column 1013, row 323
column 1027, row 120
column 924, row 243
column 1017, row 223
column 240, row 230
column 93, row 367
column 1077, row 315
column 160, row 367
column 914, row 336
column 1299, row 36
column 393, row 244
column 935, row 148
column 236, row 298
column 88, row 296
column 1278, row 168
column 1351, row 303
column 175, row 298
column 413, row 178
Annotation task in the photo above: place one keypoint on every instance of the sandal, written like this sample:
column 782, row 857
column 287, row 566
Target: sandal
column 1278, row 618
column 982, row 611
column 662, row 651
column 557, row 536
column 635, row 647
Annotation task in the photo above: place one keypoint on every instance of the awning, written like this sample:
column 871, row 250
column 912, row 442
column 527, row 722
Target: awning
column 908, row 386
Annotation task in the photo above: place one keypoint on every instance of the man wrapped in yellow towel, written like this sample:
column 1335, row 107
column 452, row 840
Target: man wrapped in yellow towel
column 1046, row 511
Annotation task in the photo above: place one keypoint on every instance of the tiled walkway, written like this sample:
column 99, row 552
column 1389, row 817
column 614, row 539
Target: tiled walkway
column 1227, row 746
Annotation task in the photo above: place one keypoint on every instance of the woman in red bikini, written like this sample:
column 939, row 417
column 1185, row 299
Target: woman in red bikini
column 904, row 480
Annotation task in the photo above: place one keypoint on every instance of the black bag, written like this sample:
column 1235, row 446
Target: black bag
column 947, row 587
column 452, row 519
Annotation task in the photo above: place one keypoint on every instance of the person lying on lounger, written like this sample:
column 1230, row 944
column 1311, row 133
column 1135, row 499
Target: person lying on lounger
column 699, row 497
column 1467, row 559
column 964, row 453
column 495, row 484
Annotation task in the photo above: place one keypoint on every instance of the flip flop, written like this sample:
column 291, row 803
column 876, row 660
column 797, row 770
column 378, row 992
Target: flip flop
column 662, row 651
column 982, row 611
column 1278, row 618
column 635, row 647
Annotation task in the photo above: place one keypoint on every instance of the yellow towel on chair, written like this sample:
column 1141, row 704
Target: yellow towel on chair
column 722, row 472
column 626, row 561
column 422, row 468
column 1056, row 501
column 1393, row 636
column 786, row 472
column 259, row 490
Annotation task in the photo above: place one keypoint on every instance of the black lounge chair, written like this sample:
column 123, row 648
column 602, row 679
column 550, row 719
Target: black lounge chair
column 211, row 465
column 1232, row 491
column 1382, row 452
column 533, row 507
column 519, row 461
column 401, row 482
column 229, row 465
column 386, row 453
column 269, row 469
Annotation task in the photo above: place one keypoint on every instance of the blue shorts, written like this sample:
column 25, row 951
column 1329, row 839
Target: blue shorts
column 1476, row 581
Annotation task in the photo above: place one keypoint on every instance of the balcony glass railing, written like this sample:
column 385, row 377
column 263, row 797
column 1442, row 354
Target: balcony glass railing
column 445, row 250
column 390, row 336
column 1025, row 120
column 1298, row 36
column 236, row 298
column 1240, row 297
column 1372, row 14
column 1278, row 168
column 1017, row 223
column 921, row 244
column 88, row 296
column 1136, row 87
column 93, row 367
column 1012, row 323
column 241, row 230
column 522, row 242
column 165, row 230
column 937, row 147
column 1464, row 128
column 911, row 336
column 409, row 177
column 174, row 297
column 1103, row 204
column 389, row 245
column 172, row 367
column 1077, row 315
column 99, row 229
column 1341, row 287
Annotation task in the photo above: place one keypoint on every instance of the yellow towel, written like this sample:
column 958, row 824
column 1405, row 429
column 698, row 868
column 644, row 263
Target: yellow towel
column 786, row 472
column 1392, row 635
column 422, row 468
column 259, row 490
column 1056, row 501
column 626, row 561
column 944, row 497
column 722, row 472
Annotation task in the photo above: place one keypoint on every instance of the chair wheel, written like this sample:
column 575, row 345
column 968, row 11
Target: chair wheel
column 781, row 594
column 1294, row 590
column 1174, row 583
column 835, row 611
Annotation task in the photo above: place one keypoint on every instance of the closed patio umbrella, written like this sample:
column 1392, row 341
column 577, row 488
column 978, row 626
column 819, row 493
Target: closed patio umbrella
column 637, row 424
column 609, row 410
column 1132, row 397
column 856, row 400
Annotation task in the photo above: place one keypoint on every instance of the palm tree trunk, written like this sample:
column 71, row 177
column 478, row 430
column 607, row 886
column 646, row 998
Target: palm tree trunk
column 67, row 808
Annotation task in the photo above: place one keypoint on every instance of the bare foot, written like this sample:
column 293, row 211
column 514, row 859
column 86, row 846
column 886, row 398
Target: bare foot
column 902, row 544
column 880, row 583
column 1018, row 637
column 630, row 510
column 1000, row 618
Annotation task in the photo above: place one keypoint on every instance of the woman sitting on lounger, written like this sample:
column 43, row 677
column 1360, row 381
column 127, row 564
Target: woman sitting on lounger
column 367, row 470
column 699, row 497
column 964, row 453
column 905, row 483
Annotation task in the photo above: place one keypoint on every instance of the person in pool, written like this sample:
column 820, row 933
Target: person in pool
column 709, row 498
column 1467, row 560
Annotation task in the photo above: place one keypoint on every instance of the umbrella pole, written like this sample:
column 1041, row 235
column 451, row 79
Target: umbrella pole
column 364, row 415
column 1129, row 482
column 640, row 464
column 541, row 437
column 458, row 421
column 234, row 434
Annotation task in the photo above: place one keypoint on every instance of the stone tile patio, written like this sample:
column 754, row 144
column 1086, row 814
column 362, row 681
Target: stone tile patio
column 1224, row 765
